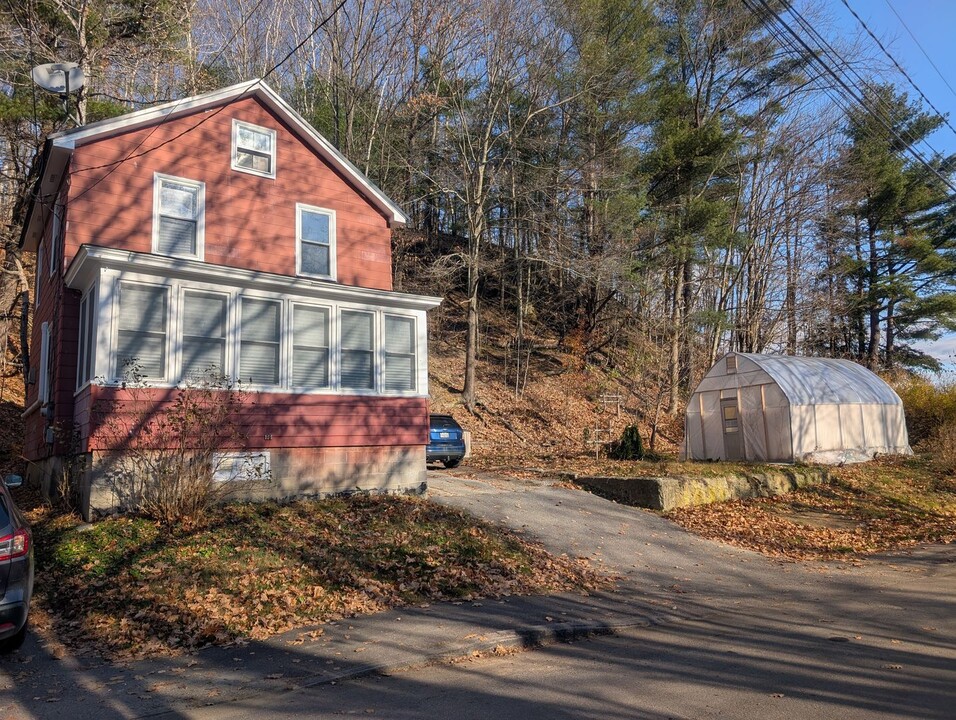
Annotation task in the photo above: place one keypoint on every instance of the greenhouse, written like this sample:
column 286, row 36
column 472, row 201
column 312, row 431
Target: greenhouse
column 774, row 408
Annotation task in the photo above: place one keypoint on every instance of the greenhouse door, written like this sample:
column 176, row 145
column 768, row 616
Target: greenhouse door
column 733, row 440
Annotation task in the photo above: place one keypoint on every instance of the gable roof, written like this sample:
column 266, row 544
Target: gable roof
column 59, row 147
column 824, row 381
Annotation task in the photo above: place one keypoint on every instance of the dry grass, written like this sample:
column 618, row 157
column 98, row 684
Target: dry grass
column 129, row 587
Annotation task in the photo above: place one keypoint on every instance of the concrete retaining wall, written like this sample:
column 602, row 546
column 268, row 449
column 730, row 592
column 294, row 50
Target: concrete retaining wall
column 667, row 493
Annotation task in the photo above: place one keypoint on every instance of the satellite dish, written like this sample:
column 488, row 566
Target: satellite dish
column 59, row 78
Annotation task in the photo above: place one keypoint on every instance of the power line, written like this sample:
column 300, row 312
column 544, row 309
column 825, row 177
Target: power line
column 887, row 116
column 134, row 155
column 813, row 55
column 897, row 65
column 921, row 48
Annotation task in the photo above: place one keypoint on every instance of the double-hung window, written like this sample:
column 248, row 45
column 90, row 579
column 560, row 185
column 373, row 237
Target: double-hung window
column 358, row 368
column 87, row 348
column 253, row 149
column 178, row 216
column 204, row 333
column 56, row 236
column 259, row 330
column 315, row 242
column 310, row 347
column 141, row 338
column 400, row 341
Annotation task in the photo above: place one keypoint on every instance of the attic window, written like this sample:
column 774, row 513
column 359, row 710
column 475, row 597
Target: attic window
column 253, row 149
column 731, row 364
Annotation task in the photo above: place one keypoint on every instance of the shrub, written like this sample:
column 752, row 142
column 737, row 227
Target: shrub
column 629, row 446
column 929, row 408
column 171, row 454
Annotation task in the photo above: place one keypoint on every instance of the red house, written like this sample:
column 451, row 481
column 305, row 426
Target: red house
column 223, row 231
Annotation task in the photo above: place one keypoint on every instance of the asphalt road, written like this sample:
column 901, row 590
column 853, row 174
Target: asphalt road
column 729, row 634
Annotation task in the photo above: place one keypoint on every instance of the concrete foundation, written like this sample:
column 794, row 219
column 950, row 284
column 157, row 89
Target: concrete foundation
column 293, row 472
column 667, row 493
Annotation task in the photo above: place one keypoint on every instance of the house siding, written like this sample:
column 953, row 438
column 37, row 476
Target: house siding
column 250, row 220
column 274, row 420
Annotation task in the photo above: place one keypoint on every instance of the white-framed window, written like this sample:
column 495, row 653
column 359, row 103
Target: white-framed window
column 85, row 359
column 171, row 329
column 311, row 351
column 56, row 236
column 141, row 347
column 260, row 340
column 315, row 242
column 38, row 280
column 44, row 390
column 401, row 341
column 253, row 149
column 357, row 350
column 179, row 216
column 204, row 330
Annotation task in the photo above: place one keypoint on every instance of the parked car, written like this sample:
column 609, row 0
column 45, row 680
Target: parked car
column 446, row 441
column 16, row 568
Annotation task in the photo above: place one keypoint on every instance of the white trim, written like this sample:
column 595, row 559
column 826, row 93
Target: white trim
column 290, row 353
column 56, row 235
column 91, row 259
column 200, row 219
column 254, row 88
column 114, row 340
column 236, row 125
column 176, row 289
column 299, row 209
column 43, row 381
column 38, row 278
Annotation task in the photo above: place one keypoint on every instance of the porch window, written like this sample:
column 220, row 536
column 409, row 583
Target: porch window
column 141, row 340
column 87, row 349
column 358, row 370
column 259, row 343
column 310, row 347
column 204, row 333
column 400, row 342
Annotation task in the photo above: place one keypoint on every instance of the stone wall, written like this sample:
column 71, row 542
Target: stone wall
column 666, row 493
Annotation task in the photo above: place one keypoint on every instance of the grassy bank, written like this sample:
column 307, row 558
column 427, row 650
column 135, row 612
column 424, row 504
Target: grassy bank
column 126, row 587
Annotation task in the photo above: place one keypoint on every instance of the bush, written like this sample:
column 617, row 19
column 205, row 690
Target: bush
column 929, row 409
column 169, row 458
column 629, row 446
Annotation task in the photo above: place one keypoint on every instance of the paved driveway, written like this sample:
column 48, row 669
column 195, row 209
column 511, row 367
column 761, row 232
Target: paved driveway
column 713, row 632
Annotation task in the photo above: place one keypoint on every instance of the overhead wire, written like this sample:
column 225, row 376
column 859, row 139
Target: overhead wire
column 833, row 55
column 133, row 154
column 796, row 43
column 921, row 48
column 896, row 64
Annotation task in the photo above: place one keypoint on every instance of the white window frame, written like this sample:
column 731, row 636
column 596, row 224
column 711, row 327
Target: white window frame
column 107, row 328
column 333, row 363
column 172, row 329
column 87, row 325
column 38, row 280
column 299, row 209
column 236, row 124
column 385, row 314
column 283, row 358
column 56, row 235
column 158, row 180
column 179, row 328
column 43, row 386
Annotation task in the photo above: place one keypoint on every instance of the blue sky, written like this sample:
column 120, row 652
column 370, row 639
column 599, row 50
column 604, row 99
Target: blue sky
column 932, row 22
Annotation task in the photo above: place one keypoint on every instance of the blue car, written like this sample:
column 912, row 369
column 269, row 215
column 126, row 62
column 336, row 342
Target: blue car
column 446, row 441
column 16, row 568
